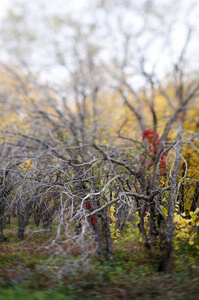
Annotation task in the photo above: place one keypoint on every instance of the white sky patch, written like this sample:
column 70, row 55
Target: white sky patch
column 4, row 5
column 109, row 36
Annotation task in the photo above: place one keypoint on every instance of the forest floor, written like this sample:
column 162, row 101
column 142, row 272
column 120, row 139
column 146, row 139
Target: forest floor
column 30, row 270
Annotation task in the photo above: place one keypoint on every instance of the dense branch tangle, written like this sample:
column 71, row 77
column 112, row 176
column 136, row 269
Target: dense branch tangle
column 98, row 150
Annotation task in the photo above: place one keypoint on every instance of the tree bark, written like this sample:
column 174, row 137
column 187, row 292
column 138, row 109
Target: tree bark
column 169, row 237
column 195, row 198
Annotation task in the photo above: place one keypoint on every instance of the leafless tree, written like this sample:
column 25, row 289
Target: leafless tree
column 65, row 172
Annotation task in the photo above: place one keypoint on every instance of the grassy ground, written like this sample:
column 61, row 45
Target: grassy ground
column 27, row 273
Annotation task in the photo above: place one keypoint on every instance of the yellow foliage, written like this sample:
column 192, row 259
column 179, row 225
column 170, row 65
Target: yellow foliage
column 27, row 165
column 114, row 232
column 186, row 225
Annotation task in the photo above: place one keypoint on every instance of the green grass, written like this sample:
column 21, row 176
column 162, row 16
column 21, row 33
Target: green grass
column 24, row 273
column 22, row 294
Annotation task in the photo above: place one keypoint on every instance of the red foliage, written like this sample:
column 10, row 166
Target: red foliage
column 151, row 136
column 88, row 206
column 153, row 142
column 91, row 219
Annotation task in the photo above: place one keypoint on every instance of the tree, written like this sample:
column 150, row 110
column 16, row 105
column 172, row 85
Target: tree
column 67, row 165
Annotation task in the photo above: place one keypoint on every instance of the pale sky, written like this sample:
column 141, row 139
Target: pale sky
column 3, row 6
column 177, row 36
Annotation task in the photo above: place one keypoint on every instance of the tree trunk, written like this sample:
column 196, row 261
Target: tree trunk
column 169, row 232
column 21, row 232
column 109, row 251
column 2, row 208
column 182, row 189
column 195, row 198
